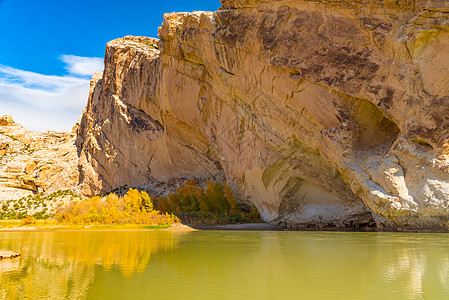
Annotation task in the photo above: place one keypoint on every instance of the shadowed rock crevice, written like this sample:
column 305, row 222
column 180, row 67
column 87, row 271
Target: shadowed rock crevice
column 375, row 131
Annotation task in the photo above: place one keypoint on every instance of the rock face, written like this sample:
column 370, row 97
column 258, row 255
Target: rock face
column 321, row 113
column 33, row 162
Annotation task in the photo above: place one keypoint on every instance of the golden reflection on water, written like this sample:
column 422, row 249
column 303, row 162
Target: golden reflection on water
column 61, row 265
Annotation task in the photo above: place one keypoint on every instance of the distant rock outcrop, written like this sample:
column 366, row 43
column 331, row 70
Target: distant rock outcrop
column 33, row 161
column 6, row 120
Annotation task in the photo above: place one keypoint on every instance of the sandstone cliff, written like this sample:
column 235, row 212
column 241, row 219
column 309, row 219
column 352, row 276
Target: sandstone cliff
column 321, row 113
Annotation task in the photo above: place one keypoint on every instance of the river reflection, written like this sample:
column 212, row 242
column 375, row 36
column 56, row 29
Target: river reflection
column 225, row 265
column 62, row 265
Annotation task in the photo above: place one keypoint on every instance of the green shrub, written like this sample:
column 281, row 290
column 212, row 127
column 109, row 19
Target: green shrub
column 214, row 205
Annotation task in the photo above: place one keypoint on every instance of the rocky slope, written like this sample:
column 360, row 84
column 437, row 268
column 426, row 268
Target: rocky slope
column 32, row 162
column 321, row 113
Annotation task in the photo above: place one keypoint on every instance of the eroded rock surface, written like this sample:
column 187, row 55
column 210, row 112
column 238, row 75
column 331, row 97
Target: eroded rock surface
column 321, row 113
column 33, row 162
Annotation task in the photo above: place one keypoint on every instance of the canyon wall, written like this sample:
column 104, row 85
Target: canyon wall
column 321, row 113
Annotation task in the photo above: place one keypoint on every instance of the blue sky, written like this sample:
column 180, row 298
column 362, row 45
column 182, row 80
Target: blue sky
column 49, row 50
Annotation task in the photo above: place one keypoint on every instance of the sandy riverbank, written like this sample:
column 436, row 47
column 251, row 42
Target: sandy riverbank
column 178, row 227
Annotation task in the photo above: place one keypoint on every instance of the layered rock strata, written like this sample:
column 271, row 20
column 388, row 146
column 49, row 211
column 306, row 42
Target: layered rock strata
column 321, row 113
column 32, row 162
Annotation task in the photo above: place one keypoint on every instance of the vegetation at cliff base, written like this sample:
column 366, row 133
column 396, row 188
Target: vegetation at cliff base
column 191, row 204
column 39, row 206
column 215, row 204
column 133, row 208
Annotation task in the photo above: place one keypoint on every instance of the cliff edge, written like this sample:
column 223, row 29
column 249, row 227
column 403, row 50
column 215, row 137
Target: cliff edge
column 321, row 113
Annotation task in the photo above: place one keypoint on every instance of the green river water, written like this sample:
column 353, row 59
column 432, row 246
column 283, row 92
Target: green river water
column 224, row 265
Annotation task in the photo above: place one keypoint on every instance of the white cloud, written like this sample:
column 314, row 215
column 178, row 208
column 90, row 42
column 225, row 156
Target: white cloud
column 35, row 80
column 84, row 66
column 44, row 102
